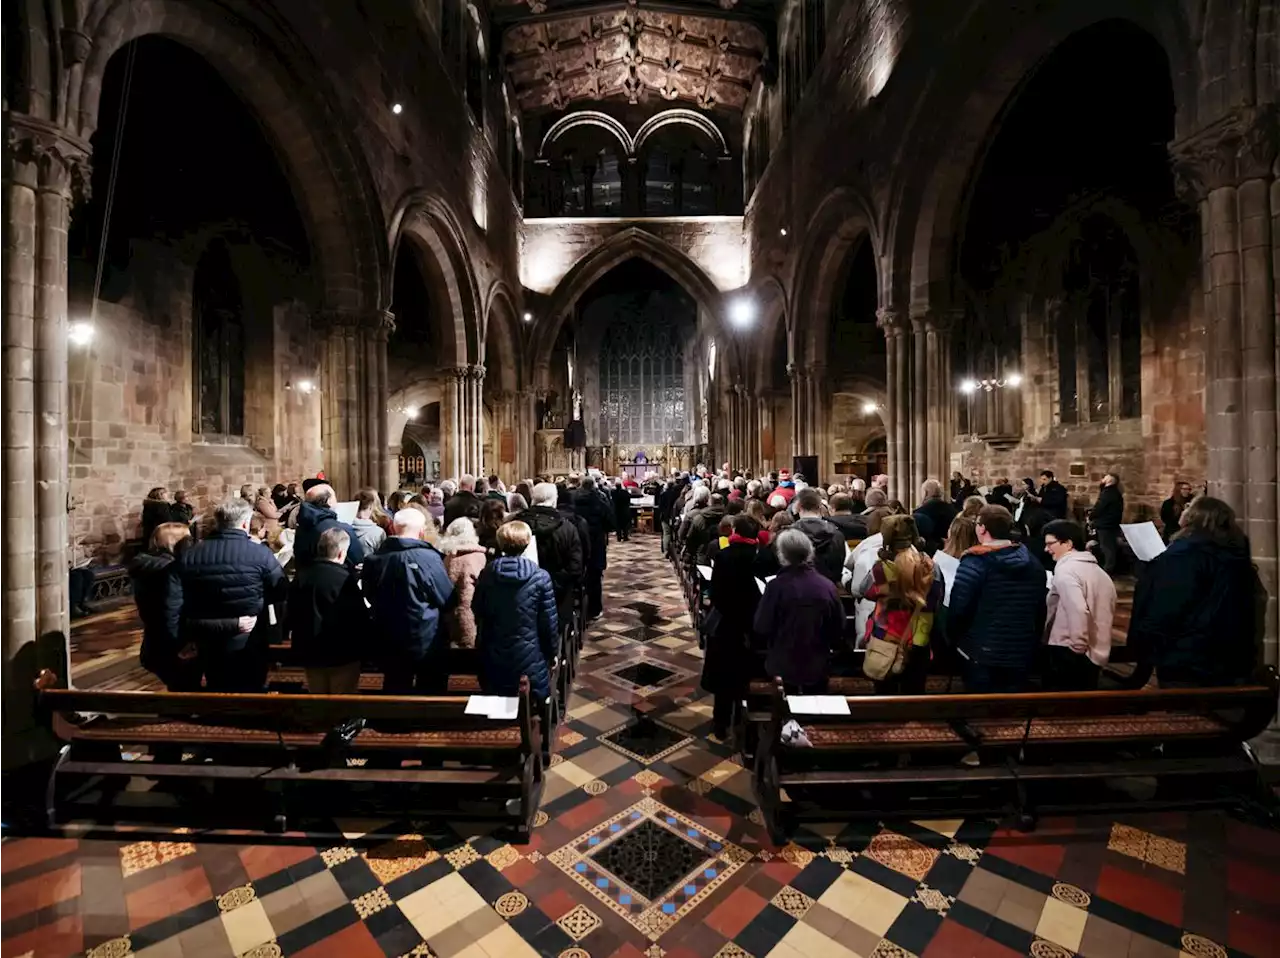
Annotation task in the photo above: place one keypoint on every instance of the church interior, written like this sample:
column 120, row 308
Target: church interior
column 422, row 256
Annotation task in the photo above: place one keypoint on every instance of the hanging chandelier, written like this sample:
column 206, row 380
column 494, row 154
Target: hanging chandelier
column 970, row 386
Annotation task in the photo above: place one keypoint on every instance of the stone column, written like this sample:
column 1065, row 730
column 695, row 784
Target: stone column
column 389, row 469
column 817, row 418
column 526, row 426
column 1228, row 168
column 451, row 399
column 797, row 410
column 897, row 395
column 477, row 418
column 353, row 404
column 588, row 197
column 43, row 167
column 919, row 378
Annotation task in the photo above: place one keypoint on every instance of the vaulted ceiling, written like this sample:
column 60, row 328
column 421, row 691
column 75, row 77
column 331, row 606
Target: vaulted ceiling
column 693, row 52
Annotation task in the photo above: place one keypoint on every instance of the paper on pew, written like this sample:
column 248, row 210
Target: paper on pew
column 493, row 706
column 947, row 565
column 705, row 572
column 818, row 705
column 347, row 511
column 1143, row 539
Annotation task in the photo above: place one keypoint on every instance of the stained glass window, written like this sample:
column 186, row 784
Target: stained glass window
column 642, row 400
column 218, row 346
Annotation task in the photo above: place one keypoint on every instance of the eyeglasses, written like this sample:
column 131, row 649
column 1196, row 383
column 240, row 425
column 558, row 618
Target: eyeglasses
column 1050, row 543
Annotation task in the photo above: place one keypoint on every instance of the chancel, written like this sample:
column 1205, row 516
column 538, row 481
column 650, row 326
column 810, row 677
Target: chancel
column 618, row 478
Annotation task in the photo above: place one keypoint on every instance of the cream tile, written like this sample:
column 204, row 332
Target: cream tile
column 461, row 898
column 247, row 926
column 808, row 941
column 943, row 826
column 572, row 773
column 415, row 903
column 582, row 711
column 781, row 950
column 431, row 918
column 863, row 902
column 1062, row 924
column 505, row 942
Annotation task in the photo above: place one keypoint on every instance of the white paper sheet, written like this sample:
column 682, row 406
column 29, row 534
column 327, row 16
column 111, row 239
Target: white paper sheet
column 818, row 704
column 760, row 583
column 947, row 565
column 1048, row 579
column 1143, row 539
column 705, row 572
column 347, row 511
column 531, row 551
column 493, row 706
column 271, row 615
column 642, row 502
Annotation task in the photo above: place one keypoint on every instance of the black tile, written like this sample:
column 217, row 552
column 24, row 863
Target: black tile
column 530, row 922
column 158, row 931
column 551, row 941
column 764, row 931
column 1027, row 877
column 644, row 674
column 400, row 940
column 649, row 858
column 305, row 869
column 869, row 868
column 644, row 737
column 1135, row 921
column 354, row 877
column 1011, row 936
column 914, row 927
column 418, row 878
column 386, row 921
column 948, row 874
column 976, row 832
column 975, row 919
column 318, row 929
column 486, row 880
column 816, row 877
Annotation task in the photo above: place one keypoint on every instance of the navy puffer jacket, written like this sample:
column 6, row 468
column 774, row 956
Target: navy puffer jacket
column 997, row 609
column 313, row 520
column 407, row 587
column 515, row 607
column 219, row 579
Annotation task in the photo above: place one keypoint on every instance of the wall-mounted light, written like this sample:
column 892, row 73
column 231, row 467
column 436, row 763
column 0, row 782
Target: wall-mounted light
column 397, row 109
column 528, row 317
column 783, row 231
column 411, row 412
column 742, row 311
column 306, row 386
column 869, row 408
column 80, row 333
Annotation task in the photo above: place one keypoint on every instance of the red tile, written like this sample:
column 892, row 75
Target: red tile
column 263, row 860
column 735, row 912
column 521, row 873
column 783, row 873
column 1253, row 841
column 354, row 941
column 954, row 940
column 1141, row 894
column 1251, row 934
column 583, row 816
column 628, row 950
column 62, row 939
column 557, row 904
column 1260, row 884
column 166, row 897
column 29, row 851
column 1014, row 846
column 40, row 892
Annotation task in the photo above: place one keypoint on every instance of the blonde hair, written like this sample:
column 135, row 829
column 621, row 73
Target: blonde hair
column 166, row 537
column 962, row 536
column 513, row 537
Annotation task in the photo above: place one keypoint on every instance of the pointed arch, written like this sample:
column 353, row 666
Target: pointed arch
column 429, row 221
column 774, row 311
column 286, row 90
column 501, row 354
column 631, row 243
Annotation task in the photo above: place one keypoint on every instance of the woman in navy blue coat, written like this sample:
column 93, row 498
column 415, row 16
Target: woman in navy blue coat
column 515, row 608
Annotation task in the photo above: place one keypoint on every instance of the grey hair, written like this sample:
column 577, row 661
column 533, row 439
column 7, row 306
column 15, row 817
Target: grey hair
column 448, row 487
column 334, row 541
column 794, row 548
column 930, row 489
column 461, row 532
column 877, row 497
column 700, row 495
column 321, row 495
column 436, row 497
column 516, row 502
column 233, row 513
column 545, row 494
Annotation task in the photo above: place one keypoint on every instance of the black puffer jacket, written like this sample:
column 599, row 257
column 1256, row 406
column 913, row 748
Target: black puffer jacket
column 559, row 548
column 152, row 576
column 407, row 587
column 517, row 627
column 828, row 546
column 463, row 503
column 218, row 580
column 313, row 521
column 598, row 513
column 854, row 528
column 1108, row 511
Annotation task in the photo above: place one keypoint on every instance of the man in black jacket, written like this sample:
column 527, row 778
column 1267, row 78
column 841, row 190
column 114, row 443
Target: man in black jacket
column 1052, row 495
column 464, row 502
column 933, row 516
column 221, row 589
column 327, row 620
column 828, row 541
column 621, row 510
column 560, row 544
column 592, row 506
column 315, row 517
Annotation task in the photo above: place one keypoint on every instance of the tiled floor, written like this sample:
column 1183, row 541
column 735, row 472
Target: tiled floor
column 649, row 845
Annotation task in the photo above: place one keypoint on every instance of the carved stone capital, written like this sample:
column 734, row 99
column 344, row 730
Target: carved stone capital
column 378, row 321
column 46, row 157
column 1240, row 146
column 890, row 318
column 476, row 372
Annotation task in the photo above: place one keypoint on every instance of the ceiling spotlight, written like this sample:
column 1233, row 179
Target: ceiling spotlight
column 306, row 386
column 1014, row 379
column 80, row 333
column 742, row 311
column 397, row 109
column 528, row 317
column 783, row 231
column 968, row 386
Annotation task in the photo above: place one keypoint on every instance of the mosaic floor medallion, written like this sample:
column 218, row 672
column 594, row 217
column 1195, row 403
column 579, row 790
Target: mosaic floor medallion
column 650, row 864
column 645, row 739
column 645, row 677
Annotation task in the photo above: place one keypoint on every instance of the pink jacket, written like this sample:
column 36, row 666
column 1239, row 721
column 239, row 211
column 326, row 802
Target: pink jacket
column 1082, row 603
column 463, row 566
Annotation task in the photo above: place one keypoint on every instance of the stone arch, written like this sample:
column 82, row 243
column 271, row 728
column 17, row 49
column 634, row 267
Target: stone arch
column 428, row 221
column 680, row 117
column 843, row 219
column 617, row 249
column 772, row 297
column 281, row 84
column 502, row 330
column 587, row 118
column 952, row 122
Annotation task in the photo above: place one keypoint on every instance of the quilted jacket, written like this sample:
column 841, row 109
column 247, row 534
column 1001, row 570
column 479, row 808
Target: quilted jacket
column 515, row 608
column 313, row 521
column 997, row 611
column 407, row 588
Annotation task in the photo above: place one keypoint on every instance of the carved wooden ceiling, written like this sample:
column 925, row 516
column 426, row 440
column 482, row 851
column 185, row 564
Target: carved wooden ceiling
column 637, row 54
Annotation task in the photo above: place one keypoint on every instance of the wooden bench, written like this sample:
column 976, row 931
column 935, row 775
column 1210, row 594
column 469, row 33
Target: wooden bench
column 899, row 756
column 285, row 742
column 110, row 582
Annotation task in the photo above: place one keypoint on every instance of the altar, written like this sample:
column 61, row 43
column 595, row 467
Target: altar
column 665, row 460
column 637, row 467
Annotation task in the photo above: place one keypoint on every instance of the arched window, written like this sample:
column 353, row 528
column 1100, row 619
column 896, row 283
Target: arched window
column 711, row 360
column 642, row 392
column 217, row 343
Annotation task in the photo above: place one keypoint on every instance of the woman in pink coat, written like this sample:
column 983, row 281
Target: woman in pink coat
column 464, row 560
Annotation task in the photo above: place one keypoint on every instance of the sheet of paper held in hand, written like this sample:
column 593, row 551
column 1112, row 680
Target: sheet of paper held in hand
column 817, row 705
column 1144, row 539
column 705, row 572
column 347, row 511
column 947, row 565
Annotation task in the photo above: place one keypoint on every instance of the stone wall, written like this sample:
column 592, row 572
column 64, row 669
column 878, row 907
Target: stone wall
column 549, row 247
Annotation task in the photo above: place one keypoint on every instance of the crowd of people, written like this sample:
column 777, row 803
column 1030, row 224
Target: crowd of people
column 1004, row 591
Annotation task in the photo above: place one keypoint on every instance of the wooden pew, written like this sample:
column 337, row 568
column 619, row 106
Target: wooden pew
column 898, row 756
column 280, row 741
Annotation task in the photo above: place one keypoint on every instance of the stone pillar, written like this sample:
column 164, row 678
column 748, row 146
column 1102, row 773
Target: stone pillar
column 919, row 408
column 451, row 399
column 932, row 379
column 476, row 381
column 1228, row 168
column 353, row 405
column 817, row 418
column 588, row 197
column 43, row 167
column 897, row 396
column 526, row 426
column 800, row 438
column 389, row 468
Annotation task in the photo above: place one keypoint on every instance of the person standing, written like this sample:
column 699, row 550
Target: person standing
column 464, row 560
column 155, row 511
column 365, row 525
column 1052, row 495
column 828, row 541
column 315, row 515
column 1107, row 514
column 1081, row 607
column 1171, row 509
column 152, row 575
column 933, row 516
column 598, row 514
column 621, row 509
column 726, row 666
column 327, row 618
column 799, row 619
